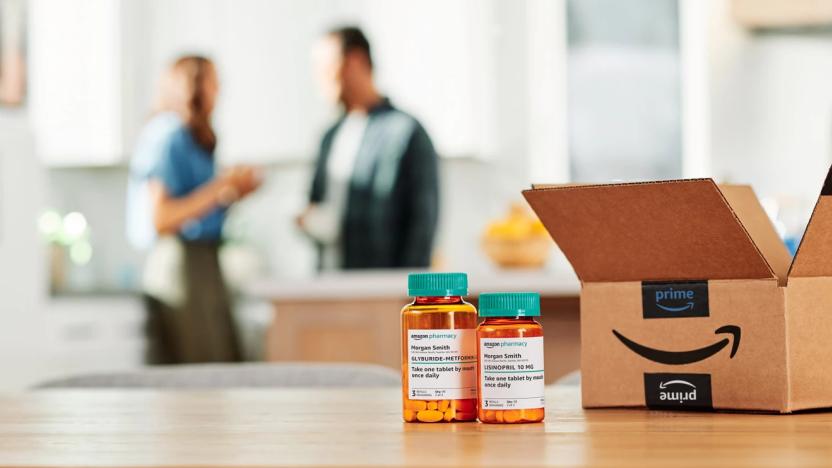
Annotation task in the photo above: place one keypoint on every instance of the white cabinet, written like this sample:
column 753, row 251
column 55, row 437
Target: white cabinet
column 92, row 334
column 436, row 60
column 75, row 81
column 154, row 33
column 96, row 65
column 269, row 108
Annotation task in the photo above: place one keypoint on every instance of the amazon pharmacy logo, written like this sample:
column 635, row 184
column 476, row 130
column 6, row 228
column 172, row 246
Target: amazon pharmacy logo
column 676, row 391
column 675, row 299
column 418, row 336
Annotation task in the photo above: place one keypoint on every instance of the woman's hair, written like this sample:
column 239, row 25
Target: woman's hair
column 183, row 91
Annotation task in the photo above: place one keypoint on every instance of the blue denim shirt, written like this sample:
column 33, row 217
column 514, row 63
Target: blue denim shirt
column 167, row 152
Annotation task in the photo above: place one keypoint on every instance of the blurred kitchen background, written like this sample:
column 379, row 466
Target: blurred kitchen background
column 512, row 92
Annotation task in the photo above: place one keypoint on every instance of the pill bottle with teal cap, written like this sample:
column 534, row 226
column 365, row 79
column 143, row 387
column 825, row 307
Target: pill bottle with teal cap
column 510, row 369
column 439, row 350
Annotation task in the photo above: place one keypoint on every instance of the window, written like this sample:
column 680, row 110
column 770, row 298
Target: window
column 624, row 90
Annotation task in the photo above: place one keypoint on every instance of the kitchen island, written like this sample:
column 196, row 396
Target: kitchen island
column 354, row 316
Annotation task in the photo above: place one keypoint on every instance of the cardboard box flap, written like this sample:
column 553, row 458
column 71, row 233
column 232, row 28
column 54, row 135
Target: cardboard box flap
column 670, row 230
column 758, row 225
column 814, row 255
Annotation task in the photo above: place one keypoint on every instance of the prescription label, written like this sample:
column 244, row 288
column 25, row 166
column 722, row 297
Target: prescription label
column 442, row 364
column 512, row 373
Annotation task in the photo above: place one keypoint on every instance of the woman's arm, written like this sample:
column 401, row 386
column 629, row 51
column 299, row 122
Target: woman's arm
column 170, row 213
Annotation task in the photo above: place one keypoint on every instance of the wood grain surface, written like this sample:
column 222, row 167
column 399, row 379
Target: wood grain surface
column 361, row 427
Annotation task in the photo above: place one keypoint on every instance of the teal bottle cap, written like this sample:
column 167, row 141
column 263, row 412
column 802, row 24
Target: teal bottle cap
column 510, row 304
column 437, row 284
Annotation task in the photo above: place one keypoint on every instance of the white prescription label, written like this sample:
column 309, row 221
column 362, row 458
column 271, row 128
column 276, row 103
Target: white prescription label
column 442, row 364
column 512, row 373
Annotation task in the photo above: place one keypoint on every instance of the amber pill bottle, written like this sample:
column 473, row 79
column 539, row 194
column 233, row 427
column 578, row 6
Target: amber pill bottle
column 510, row 369
column 439, row 350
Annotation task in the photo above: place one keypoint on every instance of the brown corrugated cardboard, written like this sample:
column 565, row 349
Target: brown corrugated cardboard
column 814, row 257
column 808, row 302
column 613, row 376
column 686, row 302
column 758, row 225
column 672, row 230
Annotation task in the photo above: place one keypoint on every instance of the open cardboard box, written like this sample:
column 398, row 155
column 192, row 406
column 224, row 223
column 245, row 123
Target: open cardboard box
column 689, row 299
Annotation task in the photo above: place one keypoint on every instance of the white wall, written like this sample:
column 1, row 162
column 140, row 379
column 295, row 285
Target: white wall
column 771, row 107
column 22, row 262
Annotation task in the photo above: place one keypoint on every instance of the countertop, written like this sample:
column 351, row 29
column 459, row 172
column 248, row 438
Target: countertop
column 362, row 427
column 379, row 284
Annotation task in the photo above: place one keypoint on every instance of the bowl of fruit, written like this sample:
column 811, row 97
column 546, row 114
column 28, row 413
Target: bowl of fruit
column 518, row 240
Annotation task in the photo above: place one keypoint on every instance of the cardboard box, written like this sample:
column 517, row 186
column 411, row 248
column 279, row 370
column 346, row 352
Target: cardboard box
column 689, row 300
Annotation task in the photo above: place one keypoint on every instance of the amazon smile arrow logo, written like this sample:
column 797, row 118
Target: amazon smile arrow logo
column 685, row 357
column 688, row 306
column 664, row 385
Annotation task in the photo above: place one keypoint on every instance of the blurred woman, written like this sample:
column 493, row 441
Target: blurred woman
column 176, row 207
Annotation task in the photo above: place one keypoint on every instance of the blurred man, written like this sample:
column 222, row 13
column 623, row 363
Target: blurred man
column 374, row 197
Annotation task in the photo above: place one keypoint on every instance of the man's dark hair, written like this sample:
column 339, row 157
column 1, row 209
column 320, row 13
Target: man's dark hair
column 352, row 39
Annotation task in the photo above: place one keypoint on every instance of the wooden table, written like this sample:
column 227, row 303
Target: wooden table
column 361, row 427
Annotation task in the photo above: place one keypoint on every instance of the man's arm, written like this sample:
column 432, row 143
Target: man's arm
column 317, row 188
column 316, row 192
column 420, row 170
